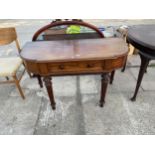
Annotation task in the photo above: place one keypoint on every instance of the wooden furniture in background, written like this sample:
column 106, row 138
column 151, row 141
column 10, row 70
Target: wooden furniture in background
column 10, row 65
column 143, row 38
column 75, row 57
column 60, row 34
column 49, row 33
column 124, row 31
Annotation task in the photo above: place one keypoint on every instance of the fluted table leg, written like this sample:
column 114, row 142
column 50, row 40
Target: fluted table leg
column 48, row 84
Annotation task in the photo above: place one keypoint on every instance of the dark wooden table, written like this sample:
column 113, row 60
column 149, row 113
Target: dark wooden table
column 74, row 57
column 143, row 38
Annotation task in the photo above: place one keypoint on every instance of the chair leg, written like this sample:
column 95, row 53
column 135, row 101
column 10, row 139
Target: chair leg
column 112, row 77
column 18, row 86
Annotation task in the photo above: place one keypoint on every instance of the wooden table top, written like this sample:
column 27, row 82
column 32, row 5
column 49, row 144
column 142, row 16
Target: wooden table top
column 73, row 50
column 142, row 37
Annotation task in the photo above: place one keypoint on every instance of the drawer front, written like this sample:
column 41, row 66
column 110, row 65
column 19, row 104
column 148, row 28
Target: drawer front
column 119, row 62
column 31, row 67
column 83, row 67
column 112, row 64
column 74, row 67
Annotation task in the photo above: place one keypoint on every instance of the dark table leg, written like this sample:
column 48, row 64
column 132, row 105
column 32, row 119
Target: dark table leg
column 124, row 67
column 112, row 77
column 48, row 84
column 143, row 68
column 40, row 81
column 7, row 78
column 104, row 85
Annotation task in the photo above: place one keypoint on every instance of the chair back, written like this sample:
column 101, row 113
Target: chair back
column 8, row 35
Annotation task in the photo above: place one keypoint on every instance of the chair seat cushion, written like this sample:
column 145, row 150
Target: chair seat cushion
column 9, row 66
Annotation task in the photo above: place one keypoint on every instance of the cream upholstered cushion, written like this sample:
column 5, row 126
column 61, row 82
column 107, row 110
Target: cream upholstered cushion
column 9, row 66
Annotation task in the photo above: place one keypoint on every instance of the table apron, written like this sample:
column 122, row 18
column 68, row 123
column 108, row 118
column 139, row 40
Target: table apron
column 76, row 67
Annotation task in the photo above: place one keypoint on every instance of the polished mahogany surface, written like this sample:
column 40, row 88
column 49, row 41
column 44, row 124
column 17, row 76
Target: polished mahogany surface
column 71, row 57
column 73, row 50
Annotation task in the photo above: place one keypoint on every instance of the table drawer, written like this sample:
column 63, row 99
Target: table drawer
column 76, row 66
column 118, row 62
column 111, row 64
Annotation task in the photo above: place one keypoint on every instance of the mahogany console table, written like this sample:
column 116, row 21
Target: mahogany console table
column 74, row 57
column 143, row 38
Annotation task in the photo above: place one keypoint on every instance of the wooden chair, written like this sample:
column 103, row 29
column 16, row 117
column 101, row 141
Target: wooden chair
column 49, row 33
column 10, row 65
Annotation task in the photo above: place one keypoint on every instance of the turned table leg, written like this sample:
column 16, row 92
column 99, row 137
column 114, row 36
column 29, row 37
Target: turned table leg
column 143, row 67
column 104, row 85
column 48, row 84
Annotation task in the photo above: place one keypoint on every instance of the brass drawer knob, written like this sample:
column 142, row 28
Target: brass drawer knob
column 90, row 65
column 61, row 67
